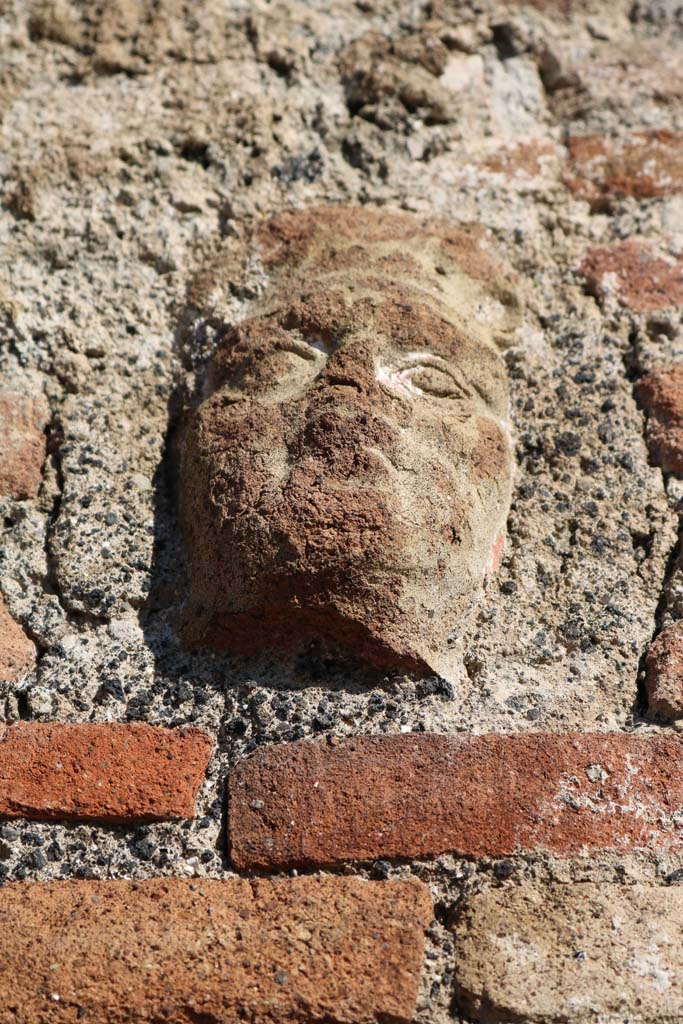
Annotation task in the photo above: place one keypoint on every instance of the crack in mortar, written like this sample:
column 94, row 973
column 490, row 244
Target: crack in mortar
column 75, row 617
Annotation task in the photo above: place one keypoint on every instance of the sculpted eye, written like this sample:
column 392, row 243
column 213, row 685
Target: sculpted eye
column 280, row 370
column 432, row 380
column 420, row 374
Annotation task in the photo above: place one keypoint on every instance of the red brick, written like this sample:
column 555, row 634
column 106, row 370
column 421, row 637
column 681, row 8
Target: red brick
column 100, row 772
column 661, row 395
column 17, row 653
column 420, row 795
column 300, row 949
column 22, row 441
column 664, row 674
column 529, row 166
column 643, row 165
column 527, row 157
column 639, row 280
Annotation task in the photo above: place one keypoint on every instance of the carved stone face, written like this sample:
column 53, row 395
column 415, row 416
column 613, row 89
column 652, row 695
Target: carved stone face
column 348, row 475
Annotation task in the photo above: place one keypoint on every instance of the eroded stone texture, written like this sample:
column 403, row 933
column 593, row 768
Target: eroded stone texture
column 409, row 796
column 301, row 949
column 634, row 275
column 661, row 394
column 380, row 73
column 639, row 82
column 135, row 36
column 643, row 165
column 580, row 952
column 17, row 653
column 348, row 475
column 664, row 674
column 22, row 442
column 111, row 772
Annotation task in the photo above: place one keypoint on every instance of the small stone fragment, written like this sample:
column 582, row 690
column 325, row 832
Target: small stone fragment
column 387, row 80
column 634, row 276
column 22, row 441
column 113, row 772
column 580, row 953
column 420, row 795
column 661, row 395
column 17, row 653
column 664, row 674
column 326, row 950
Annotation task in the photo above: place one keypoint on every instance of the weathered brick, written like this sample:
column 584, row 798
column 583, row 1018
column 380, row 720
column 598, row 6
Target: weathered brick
column 17, row 653
column 531, row 165
column 643, row 165
column 419, row 795
column 100, row 772
column 634, row 275
column 661, row 394
column 301, row 949
column 22, row 440
column 664, row 674
column 580, row 952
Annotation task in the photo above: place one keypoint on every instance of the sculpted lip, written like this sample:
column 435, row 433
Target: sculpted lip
column 357, row 492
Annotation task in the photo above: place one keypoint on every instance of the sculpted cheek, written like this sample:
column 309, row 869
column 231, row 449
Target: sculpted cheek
column 491, row 454
column 247, row 453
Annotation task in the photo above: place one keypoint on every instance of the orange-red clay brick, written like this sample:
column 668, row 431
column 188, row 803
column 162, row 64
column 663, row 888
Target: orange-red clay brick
column 635, row 276
column 22, row 442
column 109, row 772
column 17, row 653
column 420, row 795
column 642, row 165
column 664, row 674
column 660, row 392
column 302, row 949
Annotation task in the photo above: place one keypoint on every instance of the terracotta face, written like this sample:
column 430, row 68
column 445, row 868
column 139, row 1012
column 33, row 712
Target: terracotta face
column 348, row 475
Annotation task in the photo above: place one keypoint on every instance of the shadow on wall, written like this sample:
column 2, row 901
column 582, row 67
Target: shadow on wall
column 213, row 672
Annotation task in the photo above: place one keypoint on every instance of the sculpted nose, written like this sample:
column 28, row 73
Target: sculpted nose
column 342, row 434
column 350, row 371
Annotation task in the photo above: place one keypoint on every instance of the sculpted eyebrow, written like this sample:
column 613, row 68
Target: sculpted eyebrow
column 302, row 347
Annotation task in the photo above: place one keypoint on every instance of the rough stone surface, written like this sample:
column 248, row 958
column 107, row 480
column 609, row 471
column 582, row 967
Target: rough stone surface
column 612, row 79
column 22, row 437
column 483, row 796
column 203, row 139
column 664, row 674
column 635, row 276
column 348, row 473
column 661, row 394
column 302, row 949
column 580, row 952
column 117, row 773
column 17, row 653
column 141, row 143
